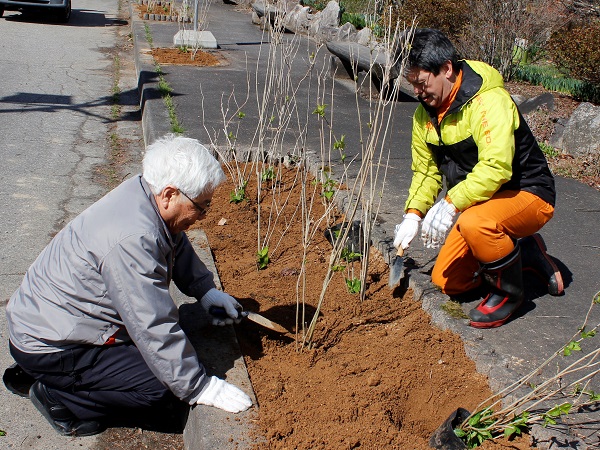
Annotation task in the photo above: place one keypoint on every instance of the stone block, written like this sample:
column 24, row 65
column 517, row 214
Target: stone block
column 195, row 39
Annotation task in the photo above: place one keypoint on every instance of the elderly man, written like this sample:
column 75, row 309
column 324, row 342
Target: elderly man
column 469, row 132
column 93, row 321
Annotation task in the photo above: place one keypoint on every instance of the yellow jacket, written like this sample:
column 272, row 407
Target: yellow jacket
column 481, row 146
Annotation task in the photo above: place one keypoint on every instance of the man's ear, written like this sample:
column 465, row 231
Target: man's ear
column 167, row 197
column 447, row 70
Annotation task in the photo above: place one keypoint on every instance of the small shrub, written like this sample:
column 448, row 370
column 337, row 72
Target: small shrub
column 554, row 80
column 548, row 150
column 575, row 50
column 358, row 20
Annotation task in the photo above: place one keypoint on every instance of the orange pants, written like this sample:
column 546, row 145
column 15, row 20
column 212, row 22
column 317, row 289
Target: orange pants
column 485, row 233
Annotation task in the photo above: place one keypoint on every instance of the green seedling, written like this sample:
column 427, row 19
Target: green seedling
column 239, row 194
column 320, row 110
column 349, row 256
column 559, row 410
column 328, row 188
column 338, row 268
column 571, row 347
column 340, row 145
column 268, row 174
column 478, row 431
column 263, row 258
column 353, row 285
column 241, row 115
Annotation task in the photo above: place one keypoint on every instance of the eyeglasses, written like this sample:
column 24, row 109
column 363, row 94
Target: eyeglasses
column 201, row 210
column 421, row 85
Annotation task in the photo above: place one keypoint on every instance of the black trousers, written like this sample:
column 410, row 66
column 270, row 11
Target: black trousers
column 101, row 383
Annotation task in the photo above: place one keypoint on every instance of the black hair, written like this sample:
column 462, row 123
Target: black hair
column 429, row 50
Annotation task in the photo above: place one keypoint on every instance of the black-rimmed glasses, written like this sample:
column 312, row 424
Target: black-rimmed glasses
column 201, row 210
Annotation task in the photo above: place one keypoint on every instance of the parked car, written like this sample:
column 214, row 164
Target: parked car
column 60, row 8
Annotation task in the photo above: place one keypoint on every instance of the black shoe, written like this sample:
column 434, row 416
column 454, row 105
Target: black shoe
column 60, row 417
column 535, row 259
column 17, row 380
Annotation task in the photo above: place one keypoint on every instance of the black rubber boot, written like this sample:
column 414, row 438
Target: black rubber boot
column 60, row 417
column 505, row 277
column 535, row 258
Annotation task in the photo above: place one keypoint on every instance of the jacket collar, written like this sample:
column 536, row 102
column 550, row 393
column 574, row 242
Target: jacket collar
column 146, row 188
column 470, row 86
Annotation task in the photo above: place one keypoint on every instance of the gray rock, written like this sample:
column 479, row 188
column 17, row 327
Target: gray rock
column 580, row 136
column 531, row 104
column 328, row 18
column 287, row 5
column 365, row 37
column 346, row 32
column 298, row 19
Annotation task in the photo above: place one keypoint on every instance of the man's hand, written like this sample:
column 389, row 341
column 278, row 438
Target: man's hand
column 436, row 224
column 407, row 230
column 222, row 395
column 214, row 297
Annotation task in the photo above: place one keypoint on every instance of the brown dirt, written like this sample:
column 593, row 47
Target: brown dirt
column 200, row 58
column 379, row 375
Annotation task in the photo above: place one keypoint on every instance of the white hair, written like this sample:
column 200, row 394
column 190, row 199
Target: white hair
column 183, row 163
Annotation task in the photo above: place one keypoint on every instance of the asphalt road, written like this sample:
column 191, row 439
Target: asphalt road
column 58, row 130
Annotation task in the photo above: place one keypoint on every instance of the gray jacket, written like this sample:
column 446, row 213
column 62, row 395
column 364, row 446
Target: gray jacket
column 105, row 277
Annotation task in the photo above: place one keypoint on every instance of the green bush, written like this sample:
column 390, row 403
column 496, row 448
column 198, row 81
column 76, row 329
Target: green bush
column 358, row 20
column 552, row 79
column 574, row 49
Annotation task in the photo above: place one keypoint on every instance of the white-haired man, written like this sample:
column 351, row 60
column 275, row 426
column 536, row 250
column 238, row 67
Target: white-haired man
column 93, row 321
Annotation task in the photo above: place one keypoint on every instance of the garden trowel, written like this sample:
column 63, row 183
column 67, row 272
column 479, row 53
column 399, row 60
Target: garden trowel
column 220, row 313
column 396, row 269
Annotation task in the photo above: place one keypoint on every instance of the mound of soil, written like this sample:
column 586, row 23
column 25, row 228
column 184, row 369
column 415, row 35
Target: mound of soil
column 378, row 374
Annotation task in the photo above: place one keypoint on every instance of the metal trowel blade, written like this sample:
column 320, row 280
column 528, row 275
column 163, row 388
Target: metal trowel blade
column 397, row 269
column 257, row 318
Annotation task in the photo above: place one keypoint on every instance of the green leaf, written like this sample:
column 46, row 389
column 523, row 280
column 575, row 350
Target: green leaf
column 572, row 346
column 353, row 285
column 593, row 396
column 459, row 433
column 320, row 110
column 341, row 144
column 241, row 115
column 263, row 257
column 588, row 334
column 511, row 430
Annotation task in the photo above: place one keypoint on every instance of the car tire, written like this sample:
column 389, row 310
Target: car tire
column 1, row 11
column 65, row 14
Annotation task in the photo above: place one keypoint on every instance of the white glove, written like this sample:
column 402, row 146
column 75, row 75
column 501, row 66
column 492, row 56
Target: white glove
column 407, row 230
column 223, row 301
column 436, row 224
column 223, row 395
